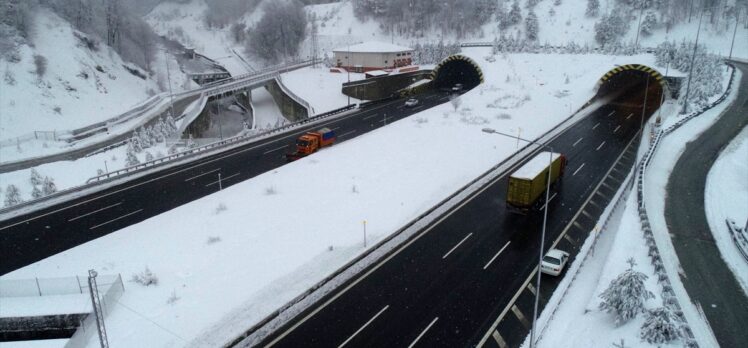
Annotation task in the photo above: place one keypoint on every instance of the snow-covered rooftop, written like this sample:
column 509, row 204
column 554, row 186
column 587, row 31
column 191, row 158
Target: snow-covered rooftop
column 373, row 47
column 536, row 165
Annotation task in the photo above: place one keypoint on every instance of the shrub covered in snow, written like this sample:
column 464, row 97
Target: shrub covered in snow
column 661, row 326
column 12, row 196
column 625, row 296
column 145, row 278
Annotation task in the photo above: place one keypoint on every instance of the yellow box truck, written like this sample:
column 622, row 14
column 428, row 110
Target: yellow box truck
column 528, row 183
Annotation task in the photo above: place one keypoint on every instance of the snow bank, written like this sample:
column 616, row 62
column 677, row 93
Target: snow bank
column 726, row 196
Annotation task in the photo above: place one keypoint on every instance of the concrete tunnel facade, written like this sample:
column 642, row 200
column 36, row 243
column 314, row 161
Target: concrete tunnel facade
column 456, row 69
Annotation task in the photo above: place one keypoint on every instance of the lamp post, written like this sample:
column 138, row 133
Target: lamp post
column 348, row 69
column 737, row 16
column 639, row 28
column 545, row 223
column 168, row 79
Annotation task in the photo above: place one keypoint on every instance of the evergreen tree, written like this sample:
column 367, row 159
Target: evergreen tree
column 148, row 156
column 502, row 16
column 36, row 193
column 661, row 326
column 48, row 187
column 593, row 8
column 531, row 26
column 36, row 178
column 515, row 14
column 131, row 159
column 648, row 24
column 625, row 296
column 12, row 196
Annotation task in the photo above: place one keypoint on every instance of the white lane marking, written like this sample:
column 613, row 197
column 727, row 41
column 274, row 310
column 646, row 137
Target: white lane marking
column 578, row 169
column 206, row 173
column 629, row 116
column 418, row 236
column 456, row 246
column 599, row 146
column 423, row 332
column 365, row 325
column 346, row 133
column 497, row 254
column 550, row 199
column 596, row 125
column 275, row 149
column 222, row 179
column 113, row 220
column 577, row 142
column 617, row 128
column 372, row 116
column 611, row 113
column 94, row 212
column 532, row 274
column 236, row 151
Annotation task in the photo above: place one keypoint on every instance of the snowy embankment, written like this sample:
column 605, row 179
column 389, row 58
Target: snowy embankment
column 578, row 322
column 327, row 92
column 727, row 178
column 235, row 256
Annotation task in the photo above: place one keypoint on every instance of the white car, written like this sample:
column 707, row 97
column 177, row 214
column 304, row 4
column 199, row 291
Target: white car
column 554, row 262
column 411, row 102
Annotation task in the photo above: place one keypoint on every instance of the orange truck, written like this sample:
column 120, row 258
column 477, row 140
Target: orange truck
column 310, row 142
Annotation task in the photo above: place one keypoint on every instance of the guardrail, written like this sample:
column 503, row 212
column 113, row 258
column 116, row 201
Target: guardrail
column 669, row 298
column 414, row 223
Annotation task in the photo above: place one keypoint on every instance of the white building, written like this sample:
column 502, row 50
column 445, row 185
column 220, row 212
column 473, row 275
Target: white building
column 372, row 55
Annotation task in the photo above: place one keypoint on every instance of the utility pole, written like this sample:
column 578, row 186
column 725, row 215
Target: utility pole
column 737, row 16
column 690, row 69
column 168, row 78
column 93, row 290
column 639, row 28
column 348, row 68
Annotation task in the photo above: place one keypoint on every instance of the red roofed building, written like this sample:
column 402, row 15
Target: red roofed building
column 372, row 55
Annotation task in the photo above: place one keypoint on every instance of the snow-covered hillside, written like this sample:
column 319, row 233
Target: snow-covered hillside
column 82, row 84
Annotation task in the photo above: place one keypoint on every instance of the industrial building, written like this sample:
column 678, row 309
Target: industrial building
column 372, row 55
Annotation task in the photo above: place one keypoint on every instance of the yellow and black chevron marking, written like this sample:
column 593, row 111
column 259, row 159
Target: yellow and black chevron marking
column 453, row 57
column 654, row 73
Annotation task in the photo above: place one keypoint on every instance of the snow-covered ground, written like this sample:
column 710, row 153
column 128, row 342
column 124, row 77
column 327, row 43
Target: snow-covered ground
column 726, row 196
column 327, row 93
column 234, row 256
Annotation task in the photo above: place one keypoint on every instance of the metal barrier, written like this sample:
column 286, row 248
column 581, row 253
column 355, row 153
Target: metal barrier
column 739, row 237
column 668, row 295
column 88, row 329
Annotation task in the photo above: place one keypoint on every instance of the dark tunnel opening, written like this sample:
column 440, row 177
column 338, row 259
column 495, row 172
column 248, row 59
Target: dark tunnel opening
column 457, row 69
column 629, row 89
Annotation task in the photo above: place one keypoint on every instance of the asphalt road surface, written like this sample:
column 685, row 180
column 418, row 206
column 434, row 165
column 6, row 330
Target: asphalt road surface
column 706, row 277
column 28, row 238
column 448, row 286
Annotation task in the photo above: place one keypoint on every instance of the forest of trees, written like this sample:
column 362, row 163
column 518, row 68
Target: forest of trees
column 111, row 22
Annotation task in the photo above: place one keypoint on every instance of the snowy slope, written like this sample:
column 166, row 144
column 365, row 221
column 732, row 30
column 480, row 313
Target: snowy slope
column 263, row 259
column 80, row 87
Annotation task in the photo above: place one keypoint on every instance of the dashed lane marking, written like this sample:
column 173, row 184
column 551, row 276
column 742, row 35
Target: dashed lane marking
column 566, row 236
column 520, row 316
column 612, row 113
column 578, row 169
column 222, row 179
column 629, row 116
column 595, row 126
column 365, row 325
column 497, row 255
column 113, row 220
column 456, row 246
column 94, row 212
column 199, row 175
column 577, row 142
column 347, row 133
column 531, row 288
column 423, row 332
column 600, row 146
column 616, row 130
column 499, row 340
column 275, row 149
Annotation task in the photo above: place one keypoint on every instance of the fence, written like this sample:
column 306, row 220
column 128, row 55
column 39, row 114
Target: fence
column 48, row 286
column 115, row 289
column 668, row 294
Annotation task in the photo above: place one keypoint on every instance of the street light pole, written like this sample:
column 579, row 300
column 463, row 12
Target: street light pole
column 737, row 16
column 168, row 79
column 545, row 223
column 639, row 28
column 690, row 69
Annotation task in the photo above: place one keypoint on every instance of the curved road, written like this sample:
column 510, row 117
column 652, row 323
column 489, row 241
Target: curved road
column 706, row 277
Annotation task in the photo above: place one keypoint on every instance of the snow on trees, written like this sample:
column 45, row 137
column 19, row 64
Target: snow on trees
column 280, row 31
column 625, row 296
column 148, row 156
column 531, row 26
column 610, row 28
column 648, row 24
column 12, row 196
column 36, row 193
column 48, row 187
column 593, row 8
column 515, row 14
column 131, row 159
column 661, row 326
column 706, row 76
column 36, row 178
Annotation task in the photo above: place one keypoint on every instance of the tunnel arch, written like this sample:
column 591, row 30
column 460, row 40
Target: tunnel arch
column 622, row 74
column 455, row 69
